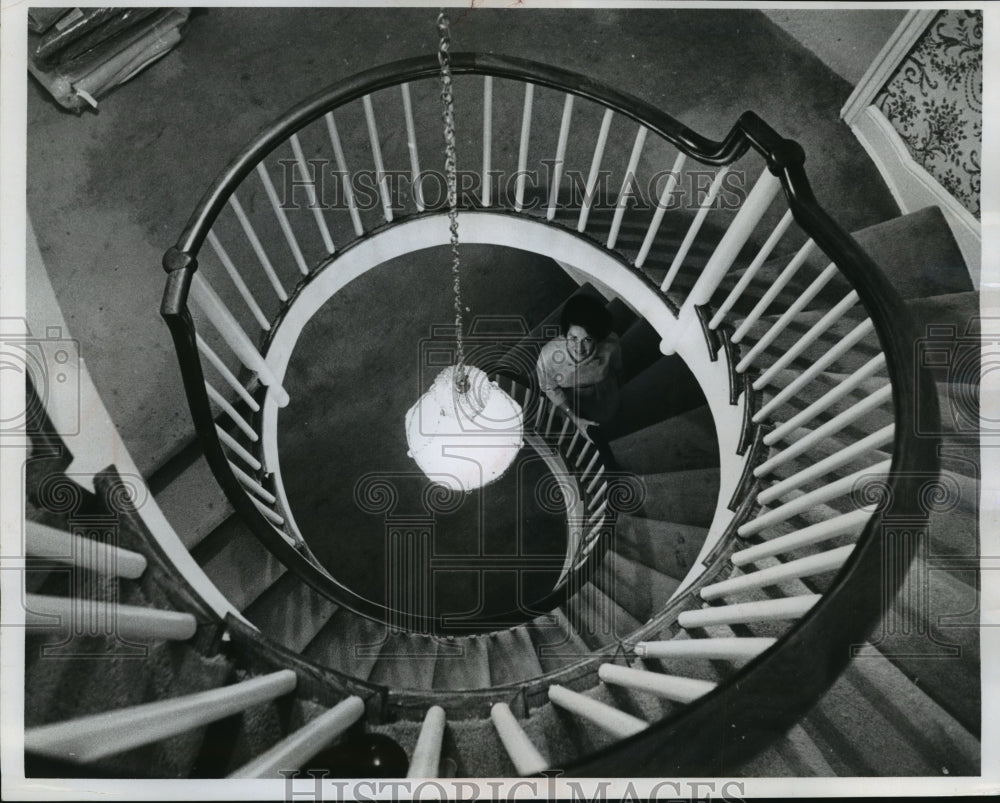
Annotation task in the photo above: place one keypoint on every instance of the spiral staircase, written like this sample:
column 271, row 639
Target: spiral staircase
column 732, row 540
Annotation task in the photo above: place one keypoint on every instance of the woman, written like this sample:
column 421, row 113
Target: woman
column 579, row 370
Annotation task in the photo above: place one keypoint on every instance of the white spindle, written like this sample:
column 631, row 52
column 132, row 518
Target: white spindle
column 314, row 200
column 772, row 291
column 226, row 374
column 816, row 470
column 338, row 153
column 487, row 138
column 751, row 271
column 743, row 613
column 383, row 180
column 736, row 235
column 279, row 213
column 539, row 412
column 297, row 748
column 598, row 513
column 815, row 331
column 522, row 155
column 724, row 649
column 271, row 516
column 252, row 485
column 848, row 524
column 844, row 345
column 786, row 318
column 241, row 286
column 595, row 170
column 597, row 496
column 606, row 717
column 590, row 465
column 426, row 759
column 662, row 205
column 258, row 248
column 523, row 754
column 237, row 449
column 548, row 422
column 222, row 319
column 694, row 228
column 573, row 441
column 626, row 189
column 670, row 687
column 230, row 411
column 47, row 542
column 596, row 479
column 563, row 431
column 793, row 570
column 827, row 400
column 92, row 737
column 560, row 156
column 125, row 621
column 827, row 430
column 833, row 490
column 411, row 144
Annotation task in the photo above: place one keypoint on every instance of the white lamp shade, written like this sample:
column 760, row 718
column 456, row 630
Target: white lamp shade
column 464, row 440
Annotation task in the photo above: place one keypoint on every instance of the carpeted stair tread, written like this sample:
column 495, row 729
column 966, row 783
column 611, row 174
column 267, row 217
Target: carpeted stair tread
column 641, row 589
column 598, row 618
column 556, row 641
column 291, row 612
column 348, row 643
column 873, row 722
column 238, row 564
column 640, row 345
column 684, row 497
column 679, row 442
column 940, row 318
column 512, row 656
column 194, row 503
column 469, row 669
column 667, row 546
column 794, row 755
column 406, row 661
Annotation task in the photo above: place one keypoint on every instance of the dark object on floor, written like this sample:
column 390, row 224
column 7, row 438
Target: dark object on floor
column 367, row 755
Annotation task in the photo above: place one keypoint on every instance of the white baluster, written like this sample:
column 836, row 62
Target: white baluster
column 426, row 759
column 599, row 512
column 222, row 319
column 793, row 570
column 226, row 374
column 279, row 213
column 828, row 399
column 837, row 488
column 292, row 752
column 670, row 687
column 815, row 331
column 662, row 205
column 272, row 517
column 593, row 459
column 241, row 286
column 230, row 411
column 786, row 318
column 338, row 153
column 47, row 542
column 487, row 137
column 522, row 156
column 411, row 144
column 694, row 228
column 830, row 428
column 606, row 717
column 560, row 156
column 772, row 291
column 252, row 485
column 92, row 737
column 125, row 621
column 596, row 497
column 523, row 754
column 595, row 170
column 596, row 479
column 314, row 199
column 258, row 248
column 724, row 649
column 626, row 189
column 840, row 458
column 743, row 613
column 383, row 180
column 752, row 269
column 234, row 445
column 848, row 524
column 844, row 345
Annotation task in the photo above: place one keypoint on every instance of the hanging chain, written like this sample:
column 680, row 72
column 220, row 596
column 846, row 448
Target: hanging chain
column 451, row 174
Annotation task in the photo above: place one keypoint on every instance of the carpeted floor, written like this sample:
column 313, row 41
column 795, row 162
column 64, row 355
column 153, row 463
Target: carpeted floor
column 108, row 192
